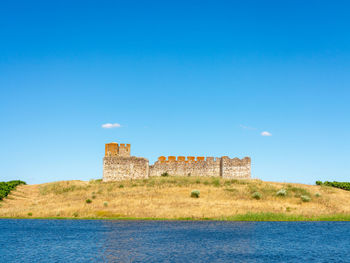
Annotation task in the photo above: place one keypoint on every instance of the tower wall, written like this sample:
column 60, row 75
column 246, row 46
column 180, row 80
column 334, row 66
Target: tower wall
column 118, row 168
column 115, row 149
column 111, row 149
column 124, row 150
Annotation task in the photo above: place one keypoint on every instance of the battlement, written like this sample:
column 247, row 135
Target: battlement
column 115, row 149
column 193, row 159
column 202, row 166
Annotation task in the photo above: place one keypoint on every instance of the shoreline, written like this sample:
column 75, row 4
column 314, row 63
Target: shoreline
column 249, row 217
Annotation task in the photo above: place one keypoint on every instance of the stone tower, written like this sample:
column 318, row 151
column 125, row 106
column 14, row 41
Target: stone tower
column 119, row 165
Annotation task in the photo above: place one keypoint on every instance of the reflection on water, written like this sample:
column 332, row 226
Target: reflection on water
column 175, row 241
column 172, row 241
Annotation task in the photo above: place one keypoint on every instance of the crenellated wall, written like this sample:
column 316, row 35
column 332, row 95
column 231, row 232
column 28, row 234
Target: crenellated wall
column 201, row 166
column 124, row 149
column 119, row 165
column 115, row 149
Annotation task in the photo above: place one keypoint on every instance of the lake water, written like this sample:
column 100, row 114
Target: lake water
column 172, row 241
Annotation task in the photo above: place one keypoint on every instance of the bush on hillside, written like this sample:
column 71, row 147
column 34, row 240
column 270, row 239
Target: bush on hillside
column 305, row 198
column 216, row 182
column 195, row 194
column 282, row 192
column 341, row 185
column 165, row 174
column 256, row 195
column 7, row 187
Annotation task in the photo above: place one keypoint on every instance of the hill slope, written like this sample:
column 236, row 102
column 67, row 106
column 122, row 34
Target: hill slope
column 169, row 197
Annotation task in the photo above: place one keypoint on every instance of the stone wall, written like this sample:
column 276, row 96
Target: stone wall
column 118, row 168
column 235, row 168
column 201, row 166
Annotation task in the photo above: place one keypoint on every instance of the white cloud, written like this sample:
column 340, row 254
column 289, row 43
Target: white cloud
column 266, row 133
column 111, row 125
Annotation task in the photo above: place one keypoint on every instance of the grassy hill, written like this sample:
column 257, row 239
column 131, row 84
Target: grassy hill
column 170, row 198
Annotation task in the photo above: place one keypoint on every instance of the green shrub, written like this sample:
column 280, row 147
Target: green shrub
column 256, row 195
column 216, row 182
column 105, row 204
column 341, row 185
column 305, row 198
column 121, row 186
column 319, row 183
column 165, row 174
column 195, row 193
column 7, row 187
column 93, row 197
column 318, row 195
column 30, row 214
column 282, row 192
column 198, row 181
column 88, row 201
column 75, row 214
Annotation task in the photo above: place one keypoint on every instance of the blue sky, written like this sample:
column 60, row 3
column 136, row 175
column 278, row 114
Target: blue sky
column 202, row 78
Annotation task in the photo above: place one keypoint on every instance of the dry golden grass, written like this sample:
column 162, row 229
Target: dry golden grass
column 169, row 197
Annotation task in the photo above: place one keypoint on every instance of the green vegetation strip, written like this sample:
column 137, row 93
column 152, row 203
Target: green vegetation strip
column 341, row 185
column 7, row 187
column 252, row 217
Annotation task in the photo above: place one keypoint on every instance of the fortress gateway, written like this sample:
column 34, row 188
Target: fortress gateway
column 119, row 165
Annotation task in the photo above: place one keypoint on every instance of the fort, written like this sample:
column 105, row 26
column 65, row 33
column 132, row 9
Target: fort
column 119, row 165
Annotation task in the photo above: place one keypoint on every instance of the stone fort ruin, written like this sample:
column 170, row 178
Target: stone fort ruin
column 119, row 165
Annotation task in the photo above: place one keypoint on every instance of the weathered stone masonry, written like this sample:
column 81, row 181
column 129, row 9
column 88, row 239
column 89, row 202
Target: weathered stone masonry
column 210, row 167
column 119, row 165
